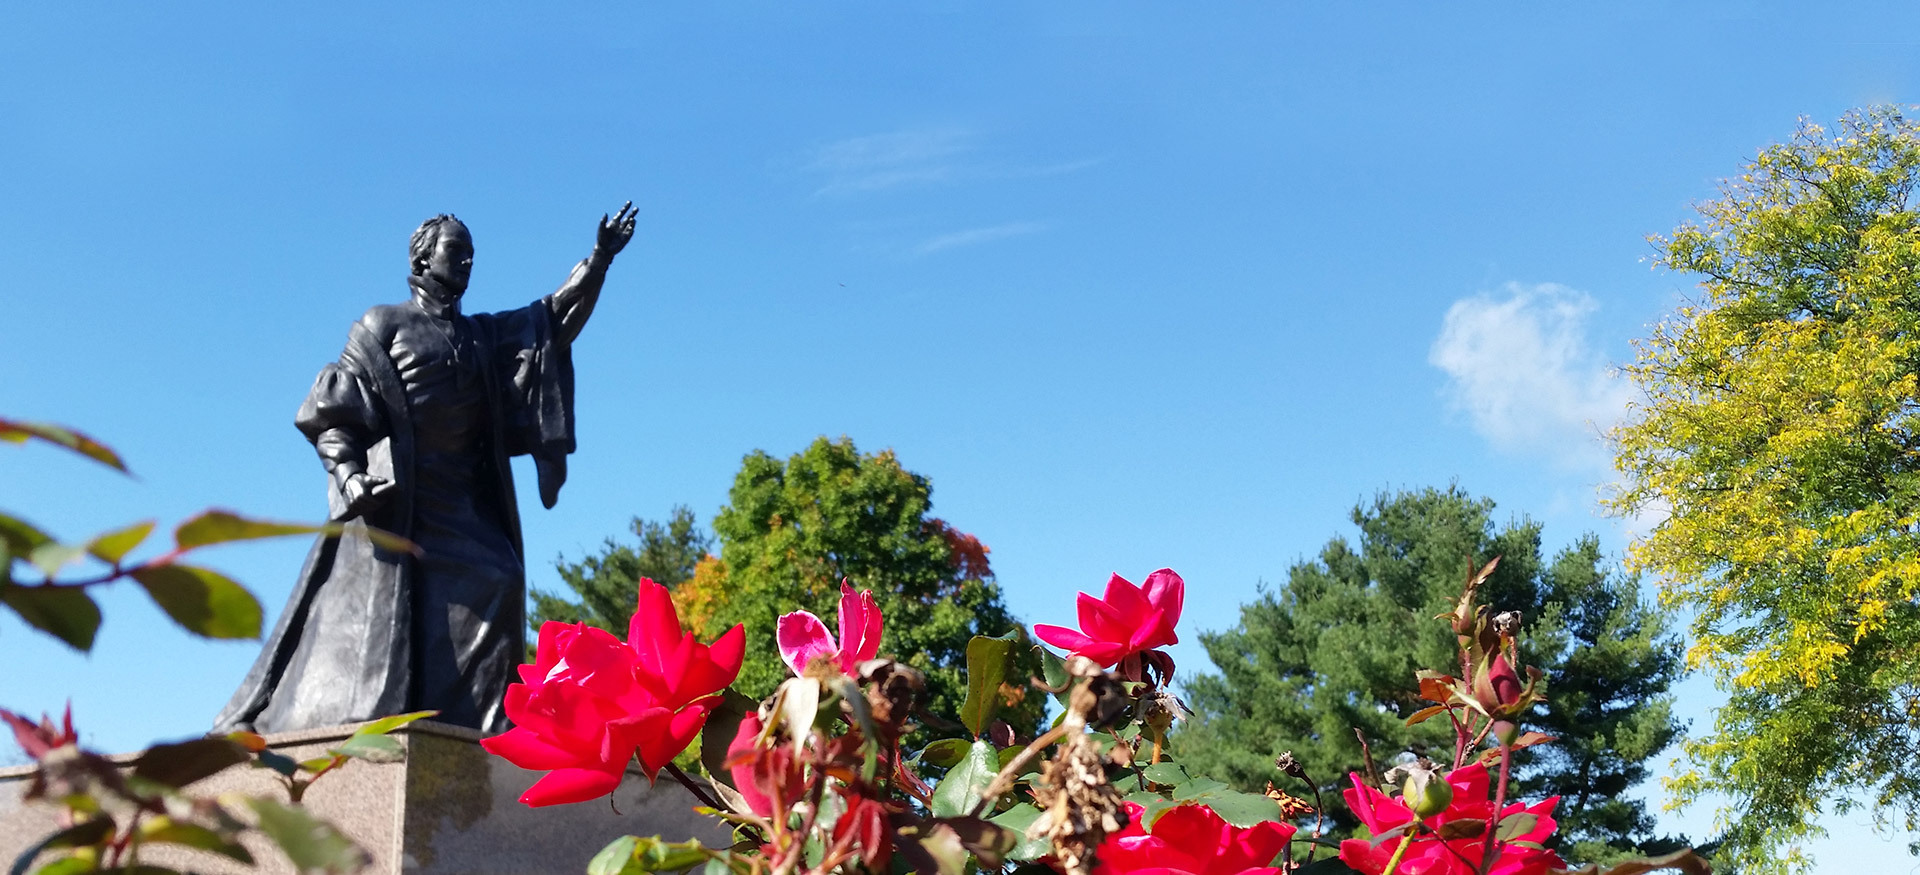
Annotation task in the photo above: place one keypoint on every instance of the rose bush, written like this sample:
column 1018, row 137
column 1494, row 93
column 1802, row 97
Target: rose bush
column 821, row 778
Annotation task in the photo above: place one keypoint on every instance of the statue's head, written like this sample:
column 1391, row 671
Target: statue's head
column 443, row 249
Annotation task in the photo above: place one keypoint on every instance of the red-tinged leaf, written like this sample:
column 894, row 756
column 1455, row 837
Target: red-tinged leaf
column 1436, row 687
column 202, row 601
column 177, row 765
column 249, row 740
column 65, row 612
column 17, row 432
column 115, row 545
column 1685, row 861
column 1422, row 715
column 1529, row 739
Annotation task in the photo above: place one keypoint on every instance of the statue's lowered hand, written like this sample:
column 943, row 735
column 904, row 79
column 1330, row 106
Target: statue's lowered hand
column 364, row 493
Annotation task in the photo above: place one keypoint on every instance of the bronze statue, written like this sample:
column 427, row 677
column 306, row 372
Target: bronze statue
column 415, row 424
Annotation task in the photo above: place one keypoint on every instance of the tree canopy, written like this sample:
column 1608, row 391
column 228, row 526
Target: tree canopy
column 793, row 529
column 607, row 584
column 1336, row 649
column 1778, row 446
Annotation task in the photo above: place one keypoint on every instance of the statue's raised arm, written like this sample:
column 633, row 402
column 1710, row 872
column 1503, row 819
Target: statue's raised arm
column 573, row 302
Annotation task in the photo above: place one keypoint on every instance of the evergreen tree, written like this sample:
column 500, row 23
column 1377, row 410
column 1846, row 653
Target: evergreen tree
column 607, row 585
column 793, row 530
column 1336, row 650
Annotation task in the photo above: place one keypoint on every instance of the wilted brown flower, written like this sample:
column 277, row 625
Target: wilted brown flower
column 1078, row 808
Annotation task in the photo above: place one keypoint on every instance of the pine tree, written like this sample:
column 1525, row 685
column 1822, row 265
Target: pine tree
column 1336, row 650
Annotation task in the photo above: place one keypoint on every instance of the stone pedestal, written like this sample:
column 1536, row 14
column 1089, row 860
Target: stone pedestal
column 450, row 807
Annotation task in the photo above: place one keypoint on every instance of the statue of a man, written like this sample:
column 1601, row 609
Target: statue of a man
column 415, row 424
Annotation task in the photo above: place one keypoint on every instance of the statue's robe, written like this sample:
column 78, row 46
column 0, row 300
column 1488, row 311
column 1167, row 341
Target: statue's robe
column 436, row 402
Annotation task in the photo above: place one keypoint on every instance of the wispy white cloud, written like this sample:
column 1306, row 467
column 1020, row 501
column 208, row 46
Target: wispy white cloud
column 916, row 157
column 973, row 236
column 1520, row 366
column 890, row 160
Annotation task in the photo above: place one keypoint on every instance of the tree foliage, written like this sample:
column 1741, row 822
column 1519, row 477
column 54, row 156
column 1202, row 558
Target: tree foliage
column 1779, row 439
column 1336, row 650
column 607, row 584
column 793, row 530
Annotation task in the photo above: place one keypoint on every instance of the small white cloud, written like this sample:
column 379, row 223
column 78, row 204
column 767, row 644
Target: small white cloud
column 974, row 236
column 916, row 157
column 1520, row 366
column 891, row 160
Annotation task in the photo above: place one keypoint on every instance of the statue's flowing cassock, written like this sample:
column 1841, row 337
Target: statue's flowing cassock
column 370, row 632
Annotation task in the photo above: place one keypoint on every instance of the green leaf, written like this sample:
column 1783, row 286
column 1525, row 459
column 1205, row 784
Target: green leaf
column 65, row 612
column 1053, row 670
column 612, row 859
column 987, row 661
column 177, row 765
column 631, row 854
column 723, row 723
column 312, row 845
column 114, row 546
column 960, row 790
column 372, row 748
column 1017, row 819
column 1237, row 808
column 1170, row 774
column 945, row 752
column 53, row 556
column 20, row 536
column 278, row 762
column 223, row 526
column 17, row 432
column 193, row 835
column 79, row 835
column 656, row 854
column 1514, row 826
column 385, row 725
column 203, row 602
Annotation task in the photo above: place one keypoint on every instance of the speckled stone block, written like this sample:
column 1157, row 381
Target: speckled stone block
column 449, row 808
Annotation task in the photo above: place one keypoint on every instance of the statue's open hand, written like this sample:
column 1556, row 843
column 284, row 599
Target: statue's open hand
column 365, row 492
column 615, row 232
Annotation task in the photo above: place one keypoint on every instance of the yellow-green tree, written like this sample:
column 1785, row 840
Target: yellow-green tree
column 1778, row 445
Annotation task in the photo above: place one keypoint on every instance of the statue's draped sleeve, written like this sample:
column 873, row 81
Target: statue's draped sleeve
column 342, row 418
column 533, row 360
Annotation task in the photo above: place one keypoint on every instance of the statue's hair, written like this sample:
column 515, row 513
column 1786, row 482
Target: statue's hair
column 427, row 235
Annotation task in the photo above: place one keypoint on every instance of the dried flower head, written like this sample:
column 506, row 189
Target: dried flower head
column 1078, row 808
column 1289, row 766
column 1507, row 624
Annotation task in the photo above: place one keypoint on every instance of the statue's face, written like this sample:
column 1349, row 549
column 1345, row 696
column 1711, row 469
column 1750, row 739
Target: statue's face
column 451, row 261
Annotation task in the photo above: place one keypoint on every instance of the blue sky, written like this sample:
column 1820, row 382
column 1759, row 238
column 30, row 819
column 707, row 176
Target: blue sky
column 1134, row 285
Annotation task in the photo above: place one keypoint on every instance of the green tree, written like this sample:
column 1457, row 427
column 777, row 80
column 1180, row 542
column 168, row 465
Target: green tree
column 607, row 585
column 1778, row 446
column 1336, row 650
column 793, row 530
